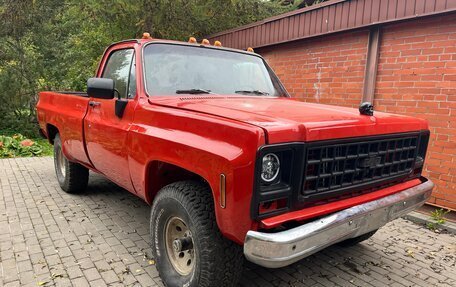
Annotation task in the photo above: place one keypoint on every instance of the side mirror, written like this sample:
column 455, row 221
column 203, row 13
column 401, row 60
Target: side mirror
column 100, row 88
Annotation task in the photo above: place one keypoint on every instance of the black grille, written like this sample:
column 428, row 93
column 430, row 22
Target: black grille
column 331, row 168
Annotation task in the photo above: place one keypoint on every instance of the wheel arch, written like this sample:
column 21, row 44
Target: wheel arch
column 160, row 173
column 51, row 132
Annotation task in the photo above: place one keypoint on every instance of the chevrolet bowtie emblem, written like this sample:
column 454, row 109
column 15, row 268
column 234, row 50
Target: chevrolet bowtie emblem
column 369, row 162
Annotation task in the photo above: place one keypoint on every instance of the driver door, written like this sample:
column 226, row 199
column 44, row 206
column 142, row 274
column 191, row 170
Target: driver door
column 106, row 134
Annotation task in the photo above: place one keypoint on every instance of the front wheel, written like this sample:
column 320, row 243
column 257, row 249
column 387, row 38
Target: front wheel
column 187, row 245
column 72, row 177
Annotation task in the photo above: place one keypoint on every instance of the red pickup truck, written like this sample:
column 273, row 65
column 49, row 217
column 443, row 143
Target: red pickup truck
column 231, row 165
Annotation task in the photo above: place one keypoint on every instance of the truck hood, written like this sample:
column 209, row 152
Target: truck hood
column 288, row 120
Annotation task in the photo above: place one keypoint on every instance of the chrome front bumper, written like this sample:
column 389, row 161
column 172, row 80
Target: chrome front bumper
column 275, row 250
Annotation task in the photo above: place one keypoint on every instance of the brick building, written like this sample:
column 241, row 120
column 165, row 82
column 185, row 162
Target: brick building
column 400, row 55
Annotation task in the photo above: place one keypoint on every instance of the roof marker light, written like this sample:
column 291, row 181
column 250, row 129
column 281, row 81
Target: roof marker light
column 192, row 40
column 205, row 42
column 250, row 49
column 146, row 36
column 218, row 44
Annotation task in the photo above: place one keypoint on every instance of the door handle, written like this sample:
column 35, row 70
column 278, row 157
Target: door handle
column 94, row 104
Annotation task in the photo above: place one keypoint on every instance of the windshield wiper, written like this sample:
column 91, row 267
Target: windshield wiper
column 193, row 91
column 256, row 92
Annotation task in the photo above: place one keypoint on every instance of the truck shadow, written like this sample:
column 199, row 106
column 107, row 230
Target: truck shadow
column 333, row 266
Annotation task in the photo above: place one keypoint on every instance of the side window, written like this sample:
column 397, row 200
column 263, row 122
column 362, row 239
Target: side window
column 118, row 68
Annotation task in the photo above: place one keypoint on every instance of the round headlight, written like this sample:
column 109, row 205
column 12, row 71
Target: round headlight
column 271, row 167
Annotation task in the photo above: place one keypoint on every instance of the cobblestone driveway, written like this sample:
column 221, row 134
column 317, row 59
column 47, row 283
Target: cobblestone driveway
column 101, row 238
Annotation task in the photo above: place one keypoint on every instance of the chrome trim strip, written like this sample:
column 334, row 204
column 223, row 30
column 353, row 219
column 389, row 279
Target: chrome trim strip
column 275, row 250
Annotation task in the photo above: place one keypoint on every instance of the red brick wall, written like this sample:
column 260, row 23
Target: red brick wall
column 327, row 70
column 416, row 76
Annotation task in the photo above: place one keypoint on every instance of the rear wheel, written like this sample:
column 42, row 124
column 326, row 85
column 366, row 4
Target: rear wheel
column 72, row 177
column 187, row 245
column 353, row 241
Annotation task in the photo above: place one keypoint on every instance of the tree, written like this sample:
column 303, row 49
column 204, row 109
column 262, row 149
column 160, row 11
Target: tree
column 298, row 4
column 21, row 59
column 180, row 19
column 56, row 44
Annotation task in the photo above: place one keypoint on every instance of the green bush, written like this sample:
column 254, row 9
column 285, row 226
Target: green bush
column 20, row 146
column 11, row 125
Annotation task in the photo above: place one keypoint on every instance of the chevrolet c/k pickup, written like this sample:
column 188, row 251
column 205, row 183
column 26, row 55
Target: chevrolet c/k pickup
column 232, row 166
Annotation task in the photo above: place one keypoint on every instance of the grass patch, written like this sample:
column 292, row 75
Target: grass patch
column 48, row 149
column 438, row 218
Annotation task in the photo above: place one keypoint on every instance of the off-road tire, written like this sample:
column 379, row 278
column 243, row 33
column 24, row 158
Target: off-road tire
column 73, row 177
column 218, row 261
column 353, row 241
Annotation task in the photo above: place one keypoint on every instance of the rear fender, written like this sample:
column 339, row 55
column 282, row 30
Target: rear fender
column 64, row 113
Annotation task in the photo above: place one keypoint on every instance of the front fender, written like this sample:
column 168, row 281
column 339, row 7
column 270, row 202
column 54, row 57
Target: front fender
column 204, row 145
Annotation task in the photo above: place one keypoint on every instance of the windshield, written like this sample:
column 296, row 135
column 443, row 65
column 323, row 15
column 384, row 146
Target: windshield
column 177, row 69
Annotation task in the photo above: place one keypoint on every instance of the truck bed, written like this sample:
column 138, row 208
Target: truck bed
column 65, row 111
column 74, row 93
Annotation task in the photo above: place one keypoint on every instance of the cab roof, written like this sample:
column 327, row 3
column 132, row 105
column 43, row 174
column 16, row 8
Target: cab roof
column 143, row 41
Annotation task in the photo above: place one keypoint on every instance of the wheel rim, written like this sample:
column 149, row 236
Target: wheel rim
column 179, row 246
column 61, row 162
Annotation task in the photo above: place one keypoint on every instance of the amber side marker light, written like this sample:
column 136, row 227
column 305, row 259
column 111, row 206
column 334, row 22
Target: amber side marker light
column 218, row 44
column 192, row 40
column 205, row 42
column 222, row 190
column 146, row 36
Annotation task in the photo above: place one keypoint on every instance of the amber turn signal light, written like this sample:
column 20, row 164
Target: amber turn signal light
column 273, row 205
column 146, row 36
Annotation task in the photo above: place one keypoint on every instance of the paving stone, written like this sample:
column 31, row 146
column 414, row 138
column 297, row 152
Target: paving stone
column 99, row 238
column 92, row 274
column 13, row 284
column 74, row 272
column 109, row 276
column 80, row 282
column 24, row 266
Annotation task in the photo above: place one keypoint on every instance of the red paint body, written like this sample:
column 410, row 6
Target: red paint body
column 160, row 139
